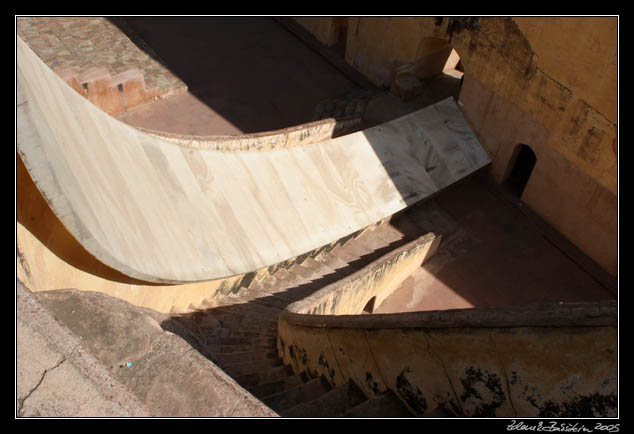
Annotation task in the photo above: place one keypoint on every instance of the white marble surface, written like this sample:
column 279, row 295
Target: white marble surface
column 162, row 212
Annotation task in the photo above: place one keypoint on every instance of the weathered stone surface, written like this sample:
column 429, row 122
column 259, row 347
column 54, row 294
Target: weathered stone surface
column 377, row 280
column 56, row 376
column 406, row 86
column 544, row 360
column 85, row 42
column 526, row 81
column 166, row 374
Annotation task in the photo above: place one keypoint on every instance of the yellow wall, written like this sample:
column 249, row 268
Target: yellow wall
column 561, row 71
column 556, row 77
column 518, row 371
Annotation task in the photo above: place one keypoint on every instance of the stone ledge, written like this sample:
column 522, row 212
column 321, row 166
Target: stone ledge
column 581, row 314
column 376, row 280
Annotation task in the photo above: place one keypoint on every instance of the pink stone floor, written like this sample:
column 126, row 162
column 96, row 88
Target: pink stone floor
column 491, row 255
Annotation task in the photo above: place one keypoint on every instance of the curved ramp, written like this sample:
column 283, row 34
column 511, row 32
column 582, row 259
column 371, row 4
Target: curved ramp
column 166, row 213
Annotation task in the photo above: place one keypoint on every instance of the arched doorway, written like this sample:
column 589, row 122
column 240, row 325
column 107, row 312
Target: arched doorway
column 369, row 306
column 522, row 165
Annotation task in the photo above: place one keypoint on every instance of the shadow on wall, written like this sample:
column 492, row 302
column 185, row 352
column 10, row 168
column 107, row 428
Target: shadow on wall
column 521, row 167
column 258, row 76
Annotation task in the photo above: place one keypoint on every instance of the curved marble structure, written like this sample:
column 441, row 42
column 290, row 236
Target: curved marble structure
column 163, row 212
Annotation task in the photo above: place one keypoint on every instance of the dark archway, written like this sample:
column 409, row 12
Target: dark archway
column 369, row 306
column 523, row 163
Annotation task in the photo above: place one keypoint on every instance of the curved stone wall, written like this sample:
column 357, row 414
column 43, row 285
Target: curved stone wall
column 168, row 214
column 541, row 360
column 304, row 134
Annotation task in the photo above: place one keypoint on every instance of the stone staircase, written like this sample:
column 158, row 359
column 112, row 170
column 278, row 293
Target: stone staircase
column 238, row 332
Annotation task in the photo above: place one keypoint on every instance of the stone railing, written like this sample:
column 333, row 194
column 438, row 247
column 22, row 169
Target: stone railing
column 303, row 134
column 541, row 360
column 373, row 284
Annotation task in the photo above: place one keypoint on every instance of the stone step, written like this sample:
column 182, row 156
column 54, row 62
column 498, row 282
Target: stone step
column 242, row 340
column 321, row 271
column 197, row 320
column 283, row 278
column 252, row 310
column 390, row 233
column 409, row 229
column 264, row 347
column 374, row 240
column 270, row 301
column 245, row 321
column 357, row 254
column 222, row 300
column 348, row 254
column 242, row 310
column 336, row 263
column 239, row 369
column 264, row 390
column 430, row 217
column 243, row 333
column 307, row 391
column 292, row 295
column 257, row 300
column 251, row 331
column 385, row 405
column 331, row 404
column 262, row 302
column 245, row 356
column 292, row 292
column 305, row 273
column 270, row 375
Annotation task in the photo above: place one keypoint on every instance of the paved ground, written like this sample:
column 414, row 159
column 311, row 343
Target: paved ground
column 491, row 255
column 244, row 75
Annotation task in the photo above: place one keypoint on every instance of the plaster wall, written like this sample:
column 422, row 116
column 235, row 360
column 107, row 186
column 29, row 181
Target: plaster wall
column 547, row 82
column 569, row 199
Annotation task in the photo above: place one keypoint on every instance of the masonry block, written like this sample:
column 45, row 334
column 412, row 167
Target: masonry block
column 132, row 85
column 406, row 86
column 71, row 77
column 102, row 90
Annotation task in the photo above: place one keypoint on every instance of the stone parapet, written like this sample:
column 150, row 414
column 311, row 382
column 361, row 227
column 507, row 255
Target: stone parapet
column 541, row 360
column 349, row 296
